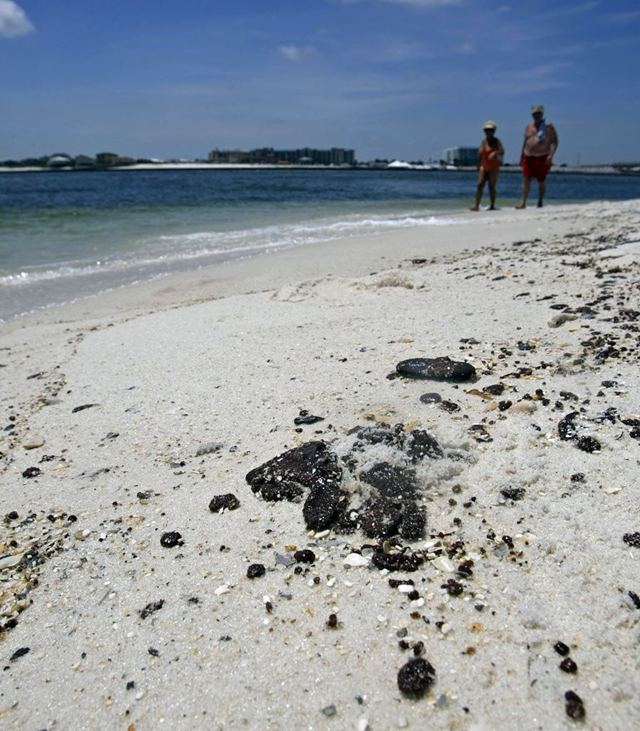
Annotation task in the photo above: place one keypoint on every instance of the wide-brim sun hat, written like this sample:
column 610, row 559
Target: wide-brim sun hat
column 490, row 125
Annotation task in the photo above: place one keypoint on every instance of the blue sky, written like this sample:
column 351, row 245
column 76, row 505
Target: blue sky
column 390, row 78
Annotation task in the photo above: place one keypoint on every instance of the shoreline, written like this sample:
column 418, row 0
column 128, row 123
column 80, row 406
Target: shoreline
column 283, row 237
column 604, row 169
column 268, row 269
column 131, row 410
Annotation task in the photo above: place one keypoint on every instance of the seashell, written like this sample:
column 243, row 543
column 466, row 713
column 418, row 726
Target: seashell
column 9, row 561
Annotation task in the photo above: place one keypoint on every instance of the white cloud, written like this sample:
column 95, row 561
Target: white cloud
column 13, row 20
column 296, row 53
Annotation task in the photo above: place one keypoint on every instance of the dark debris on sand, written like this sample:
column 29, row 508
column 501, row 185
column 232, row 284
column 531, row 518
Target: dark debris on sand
column 415, row 677
column 436, row 369
column 313, row 471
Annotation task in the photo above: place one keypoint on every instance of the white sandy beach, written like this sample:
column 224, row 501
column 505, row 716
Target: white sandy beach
column 226, row 358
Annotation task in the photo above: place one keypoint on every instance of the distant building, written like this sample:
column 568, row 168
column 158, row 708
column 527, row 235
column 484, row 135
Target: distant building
column 461, row 156
column 233, row 157
column 84, row 162
column 105, row 159
column 339, row 156
column 311, row 156
column 112, row 159
column 270, row 156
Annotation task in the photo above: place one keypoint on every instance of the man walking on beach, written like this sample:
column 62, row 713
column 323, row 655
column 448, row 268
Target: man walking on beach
column 538, row 149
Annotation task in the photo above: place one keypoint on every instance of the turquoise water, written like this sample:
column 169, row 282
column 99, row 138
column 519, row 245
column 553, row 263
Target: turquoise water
column 64, row 235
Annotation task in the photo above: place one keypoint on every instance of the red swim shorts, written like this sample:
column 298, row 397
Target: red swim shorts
column 535, row 167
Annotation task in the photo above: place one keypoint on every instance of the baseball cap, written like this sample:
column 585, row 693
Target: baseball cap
column 537, row 109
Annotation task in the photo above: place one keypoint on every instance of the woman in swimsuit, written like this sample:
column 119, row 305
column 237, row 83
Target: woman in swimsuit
column 490, row 152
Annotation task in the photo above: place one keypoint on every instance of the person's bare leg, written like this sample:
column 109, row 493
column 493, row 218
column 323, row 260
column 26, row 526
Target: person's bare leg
column 493, row 179
column 481, row 178
column 542, row 189
column 526, row 186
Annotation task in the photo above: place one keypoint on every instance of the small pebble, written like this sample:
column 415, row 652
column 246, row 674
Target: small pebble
column 437, row 369
column 568, row 666
column 171, row 539
column 33, row 442
column 634, row 598
column 255, row 571
column 588, row 444
column 415, row 677
column 307, row 419
column 442, row 563
column 524, row 407
column 329, row 710
column 431, row 398
column 32, row 472
column 453, row 587
column 305, row 556
column 20, row 652
column 450, row 406
column 574, row 706
column 224, row 502
column 355, row 559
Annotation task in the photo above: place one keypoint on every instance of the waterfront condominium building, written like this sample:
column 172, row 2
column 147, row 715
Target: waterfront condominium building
column 268, row 155
column 461, row 156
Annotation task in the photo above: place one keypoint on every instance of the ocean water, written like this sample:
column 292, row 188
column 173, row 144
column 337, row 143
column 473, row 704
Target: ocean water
column 65, row 235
